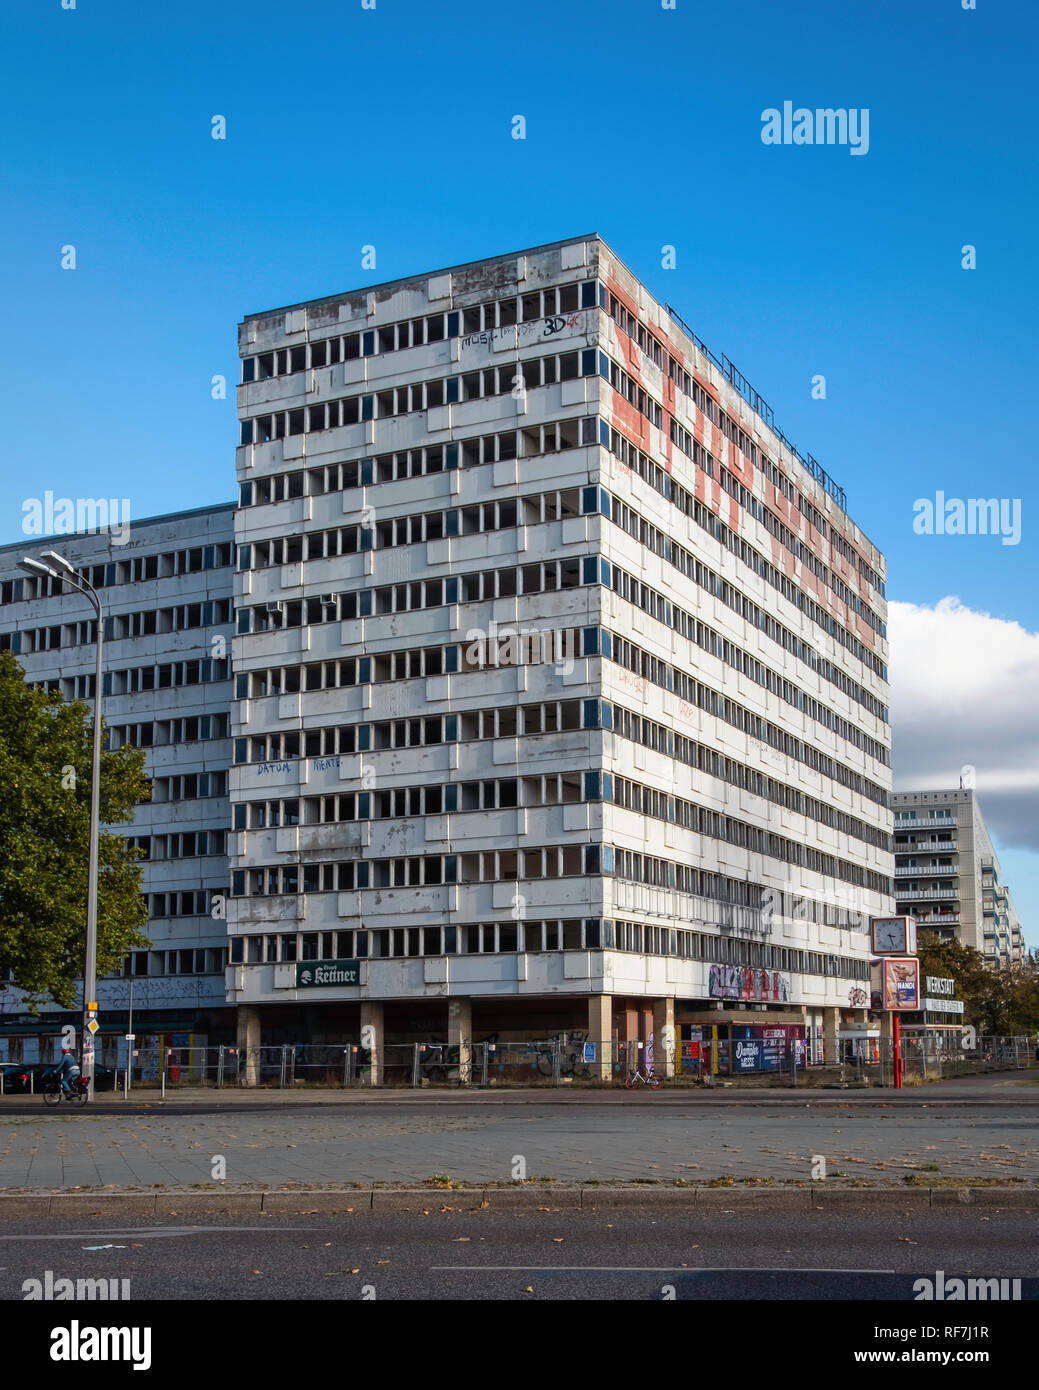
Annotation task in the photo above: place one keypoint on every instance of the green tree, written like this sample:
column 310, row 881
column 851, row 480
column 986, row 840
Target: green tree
column 45, row 758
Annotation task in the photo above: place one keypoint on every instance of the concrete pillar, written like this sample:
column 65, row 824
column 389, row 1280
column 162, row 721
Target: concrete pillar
column 600, row 1032
column 831, row 1047
column 372, row 1037
column 248, row 1045
column 664, row 1036
column 460, row 1035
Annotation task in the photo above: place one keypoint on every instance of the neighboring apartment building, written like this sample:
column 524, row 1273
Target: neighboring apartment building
column 166, row 590
column 561, row 687
column 947, row 873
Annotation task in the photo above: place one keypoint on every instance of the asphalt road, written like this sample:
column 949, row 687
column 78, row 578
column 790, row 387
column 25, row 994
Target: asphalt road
column 454, row 1253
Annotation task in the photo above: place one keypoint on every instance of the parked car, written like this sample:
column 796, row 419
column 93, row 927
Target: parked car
column 22, row 1077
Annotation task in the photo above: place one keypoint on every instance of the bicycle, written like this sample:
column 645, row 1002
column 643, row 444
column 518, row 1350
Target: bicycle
column 638, row 1077
column 77, row 1094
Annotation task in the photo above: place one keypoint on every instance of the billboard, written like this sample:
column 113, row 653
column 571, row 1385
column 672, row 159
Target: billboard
column 895, row 983
column 746, row 982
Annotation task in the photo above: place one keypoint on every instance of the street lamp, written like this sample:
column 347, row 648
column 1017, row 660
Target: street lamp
column 60, row 569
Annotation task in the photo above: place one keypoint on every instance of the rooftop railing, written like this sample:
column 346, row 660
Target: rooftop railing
column 761, row 407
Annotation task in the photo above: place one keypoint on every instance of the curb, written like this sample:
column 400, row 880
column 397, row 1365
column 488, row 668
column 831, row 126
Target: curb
column 34, row 1206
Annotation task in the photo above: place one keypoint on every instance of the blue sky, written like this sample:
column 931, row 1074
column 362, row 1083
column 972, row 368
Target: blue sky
column 391, row 127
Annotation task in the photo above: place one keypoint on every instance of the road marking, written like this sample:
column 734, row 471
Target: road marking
column 149, row 1233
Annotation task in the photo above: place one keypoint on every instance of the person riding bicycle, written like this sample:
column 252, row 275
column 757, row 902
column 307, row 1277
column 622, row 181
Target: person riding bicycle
column 68, row 1069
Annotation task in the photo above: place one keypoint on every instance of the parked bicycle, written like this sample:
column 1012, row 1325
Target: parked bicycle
column 77, row 1094
column 640, row 1077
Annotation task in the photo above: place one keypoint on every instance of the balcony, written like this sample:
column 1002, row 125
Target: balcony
column 927, row 824
column 928, row 846
column 926, row 894
column 924, row 870
column 952, row 920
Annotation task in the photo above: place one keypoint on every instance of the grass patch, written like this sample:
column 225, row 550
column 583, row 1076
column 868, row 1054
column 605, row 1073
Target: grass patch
column 920, row 1180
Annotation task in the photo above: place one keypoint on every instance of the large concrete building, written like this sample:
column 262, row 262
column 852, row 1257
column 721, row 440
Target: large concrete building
column 561, row 686
column 166, row 589
column 559, row 691
column 948, row 876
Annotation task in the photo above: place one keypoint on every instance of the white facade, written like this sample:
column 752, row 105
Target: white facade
column 680, row 777
column 166, row 591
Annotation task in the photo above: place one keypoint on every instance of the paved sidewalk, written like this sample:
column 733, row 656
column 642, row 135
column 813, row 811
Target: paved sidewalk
column 408, row 1139
column 1003, row 1088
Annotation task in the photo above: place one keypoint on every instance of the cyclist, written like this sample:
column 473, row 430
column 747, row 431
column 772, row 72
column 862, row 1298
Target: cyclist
column 68, row 1069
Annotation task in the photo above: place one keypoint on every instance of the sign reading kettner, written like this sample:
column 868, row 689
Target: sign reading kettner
column 312, row 974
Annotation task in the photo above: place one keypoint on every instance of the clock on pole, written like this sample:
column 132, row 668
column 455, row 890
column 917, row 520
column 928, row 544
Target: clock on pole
column 893, row 936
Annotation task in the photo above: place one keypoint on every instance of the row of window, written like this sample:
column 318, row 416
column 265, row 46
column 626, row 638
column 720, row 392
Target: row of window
column 548, row 789
column 415, row 529
column 693, row 628
column 555, row 934
column 551, row 437
column 715, row 825
column 160, row 733
column 143, row 623
column 209, row 960
column 513, row 865
column 651, row 869
column 419, row 332
column 169, row 675
column 552, row 716
column 660, row 673
column 638, row 729
column 547, row 576
column 186, row 844
column 200, row 902
column 188, row 786
column 165, row 565
column 664, row 483
column 399, row 531
column 531, row 648
column 415, row 396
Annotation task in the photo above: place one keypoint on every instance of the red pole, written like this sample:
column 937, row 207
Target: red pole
column 896, row 1042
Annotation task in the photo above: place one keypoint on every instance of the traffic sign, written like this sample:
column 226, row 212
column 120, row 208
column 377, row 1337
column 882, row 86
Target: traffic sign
column 92, row 1007
column 93, row 1025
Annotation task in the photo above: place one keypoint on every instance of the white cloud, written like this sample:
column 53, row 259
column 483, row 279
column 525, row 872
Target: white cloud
column 965, row 691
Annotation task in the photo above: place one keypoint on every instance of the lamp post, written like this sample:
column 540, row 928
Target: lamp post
column 60, row 569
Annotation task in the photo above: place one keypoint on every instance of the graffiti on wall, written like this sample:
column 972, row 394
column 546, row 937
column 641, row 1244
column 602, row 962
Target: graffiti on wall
column 534, row 330
column 746, row 982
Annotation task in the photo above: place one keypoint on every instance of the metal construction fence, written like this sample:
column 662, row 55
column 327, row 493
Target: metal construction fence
column 563, row 1060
